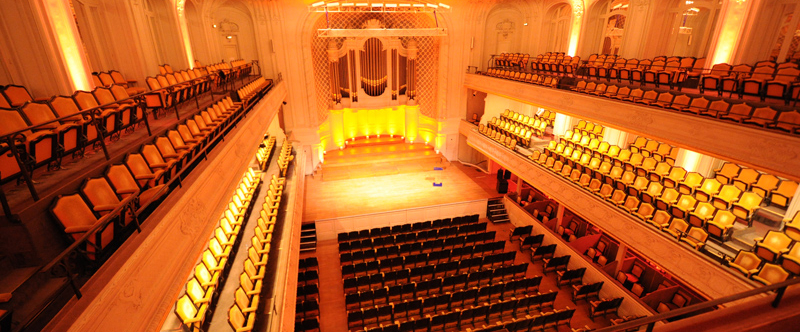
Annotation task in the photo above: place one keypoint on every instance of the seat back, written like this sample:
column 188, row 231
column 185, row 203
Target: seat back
column 99, row 193
column 119, row 92
column 104, row 96
column 17, row 95
column 772, row 273
column 38, row 112
column 747, row 260
column 65, row 106
column 85, row 100
column 122, row 180
column 72, row 210
column 776, row 240
column 106, row 79
column 678, row 225
column 12, row 121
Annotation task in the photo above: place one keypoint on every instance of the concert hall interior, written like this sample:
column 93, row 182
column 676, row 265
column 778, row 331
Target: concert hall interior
column 399, row 165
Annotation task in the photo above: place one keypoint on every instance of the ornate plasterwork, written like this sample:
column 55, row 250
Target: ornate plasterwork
column 577, row 8
column 505, row 27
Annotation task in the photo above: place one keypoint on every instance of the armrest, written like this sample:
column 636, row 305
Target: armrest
column 158, row 165
column 126, row 191
column 77, row 229
column 101, row 208
column 144, row 176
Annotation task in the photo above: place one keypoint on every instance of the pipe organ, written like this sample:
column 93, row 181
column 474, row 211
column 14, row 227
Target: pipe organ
column 372, row 71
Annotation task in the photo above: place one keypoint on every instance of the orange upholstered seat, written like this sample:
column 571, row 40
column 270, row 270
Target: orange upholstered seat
column 774, row 244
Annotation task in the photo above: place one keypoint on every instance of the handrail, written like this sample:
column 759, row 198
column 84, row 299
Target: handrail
column 129, row 203
column 650, row 321
column 103, row 222
column 772, row 127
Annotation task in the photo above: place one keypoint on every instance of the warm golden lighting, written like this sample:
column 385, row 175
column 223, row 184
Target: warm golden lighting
column 187, row 44
column 575, row 31
column 691, row 160
column 732, row 25
column 345, row 125
column 69, row 43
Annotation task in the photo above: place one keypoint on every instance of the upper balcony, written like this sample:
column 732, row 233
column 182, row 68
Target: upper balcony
column 768, row 150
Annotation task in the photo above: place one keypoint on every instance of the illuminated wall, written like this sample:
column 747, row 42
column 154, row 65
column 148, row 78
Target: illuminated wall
column 184, row 32
column 405, row 121
column 63, row 25
column 575, row 32
column 733, row 20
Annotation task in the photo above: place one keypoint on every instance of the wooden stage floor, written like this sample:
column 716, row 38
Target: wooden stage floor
column 349, row 197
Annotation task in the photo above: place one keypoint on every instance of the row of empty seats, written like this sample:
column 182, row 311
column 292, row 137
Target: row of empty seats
column 306, row 317
column 172, row 89
column 242, row 314
column 556, row 63
column 779, row 191
column 659, row 71
column 498, row 135
column 371, row 234
column 48, row 130
column 143, row 175
column 655, row 197
column 533, row 78
column 468, row 257
column 765, row 79
column 113, row 77
column 739, row 112
column 285, row 157
column 202, row 291
column 590, row 129
column 402, row 303
column 512, row 60
column 385, row 237
column 265, row 152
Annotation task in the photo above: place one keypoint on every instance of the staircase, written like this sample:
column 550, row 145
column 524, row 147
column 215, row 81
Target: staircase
column 308, row 237
column 496, row 210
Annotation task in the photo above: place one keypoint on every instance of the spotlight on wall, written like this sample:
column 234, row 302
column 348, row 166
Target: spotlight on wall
column 214, row 26
column 229, row 37
column 525, row 24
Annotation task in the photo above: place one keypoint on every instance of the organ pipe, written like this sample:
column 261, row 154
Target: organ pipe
column 367, row 69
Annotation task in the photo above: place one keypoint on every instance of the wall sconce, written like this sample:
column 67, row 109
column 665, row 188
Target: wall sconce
column 229, row 37
column 214, row 26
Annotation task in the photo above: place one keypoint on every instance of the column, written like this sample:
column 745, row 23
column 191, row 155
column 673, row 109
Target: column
column 575, row 30
column 730, row 32
column 183, row 31
column 62, row 23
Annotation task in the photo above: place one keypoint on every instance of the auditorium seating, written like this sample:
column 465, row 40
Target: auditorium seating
column 678, row 301
column 212, row 271
column 285, row 157
column 604, row 307
column 772, row 246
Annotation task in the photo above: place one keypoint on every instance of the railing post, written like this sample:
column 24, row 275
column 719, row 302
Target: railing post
column 778, row 296
column 650, row 327
column 100, row 135
column 143, row 106
column 6, row 208
column 24, row 170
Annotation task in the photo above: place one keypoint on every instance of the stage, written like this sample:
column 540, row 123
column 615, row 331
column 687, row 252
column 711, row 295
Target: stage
column 383, row 200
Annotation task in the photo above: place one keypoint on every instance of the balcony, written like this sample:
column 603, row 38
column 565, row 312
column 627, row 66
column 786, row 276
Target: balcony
column 767, row 150
column 707, row 277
